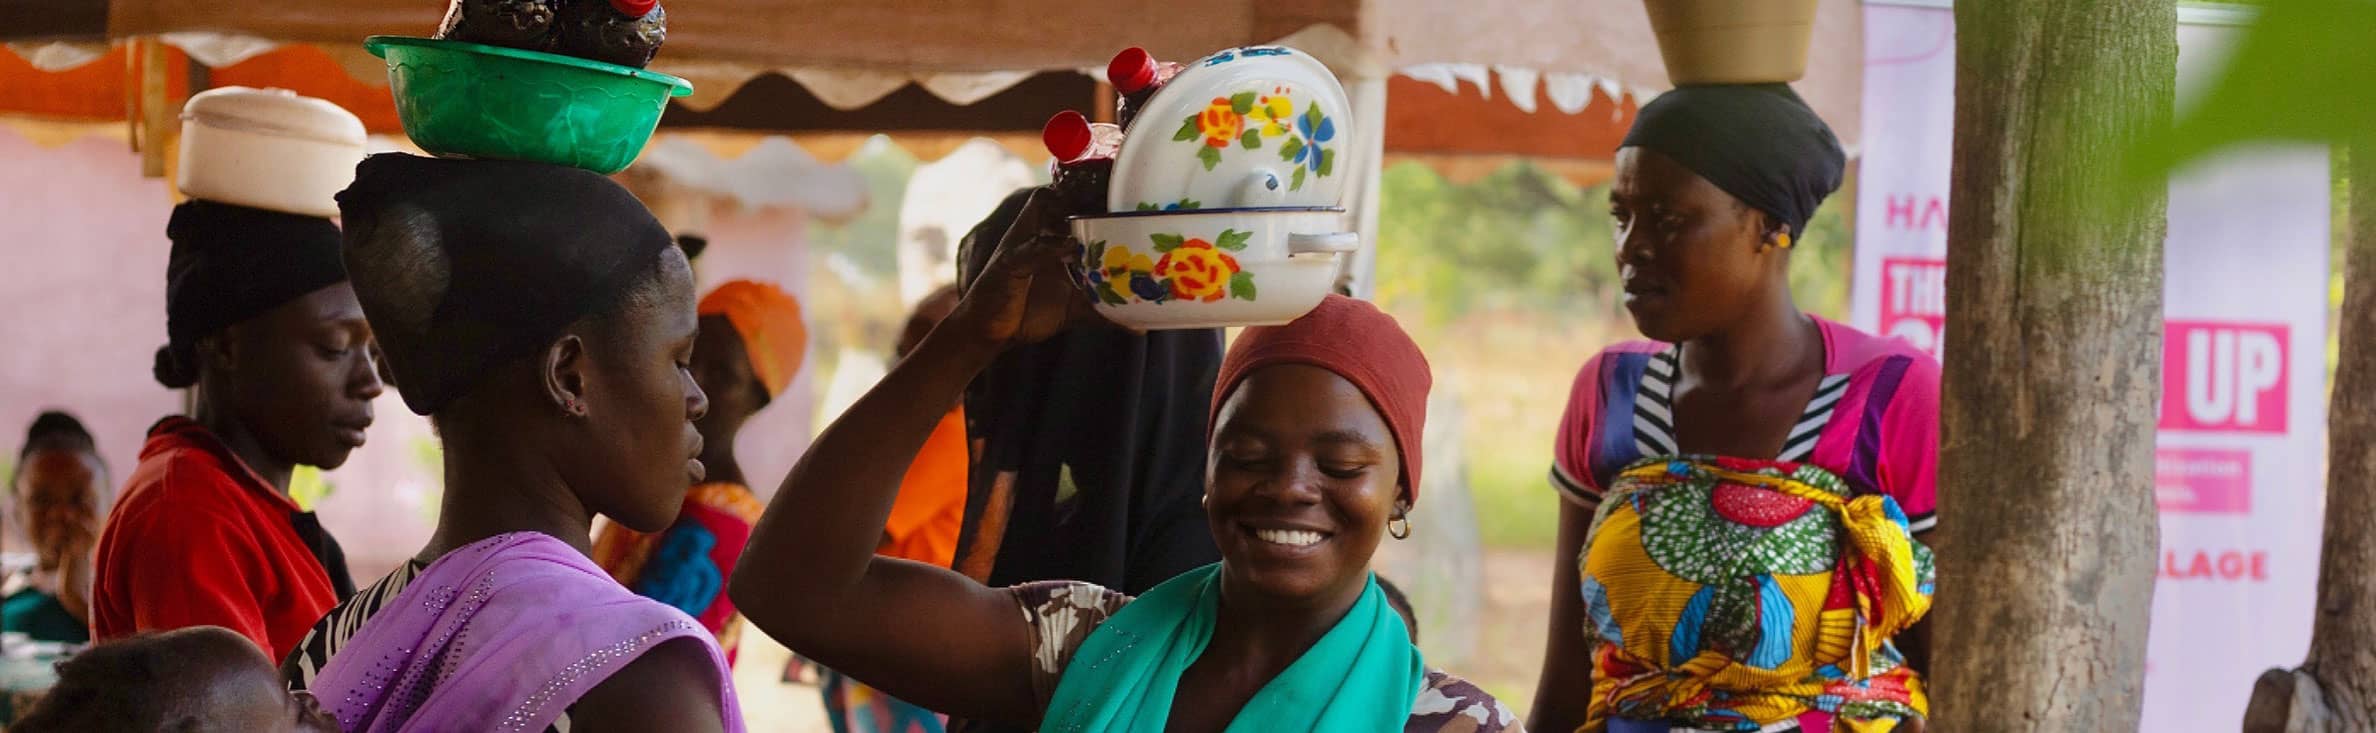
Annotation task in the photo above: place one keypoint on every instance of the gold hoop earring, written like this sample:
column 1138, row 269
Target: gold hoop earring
column 1782, row 240
column 1399, row 527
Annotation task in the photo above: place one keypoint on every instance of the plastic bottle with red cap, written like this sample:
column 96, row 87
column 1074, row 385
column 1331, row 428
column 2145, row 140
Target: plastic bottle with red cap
column 1136, row 75
column 525, row 24
column 623, row 32
column 1084, row 153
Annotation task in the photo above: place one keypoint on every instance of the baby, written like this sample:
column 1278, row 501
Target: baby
column 199, row 679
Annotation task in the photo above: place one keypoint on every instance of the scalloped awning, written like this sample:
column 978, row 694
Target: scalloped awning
column 853, row 55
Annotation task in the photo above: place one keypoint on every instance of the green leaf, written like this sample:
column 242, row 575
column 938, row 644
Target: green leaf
column 1241, row 286
column 1327, row 162
column 1233, row 240
column 1252, row 140
column 1287, row 151
column 1209, row 154
column 1105, row 292
column 1312, row 114
column 1242, row 103
column 1190, row 204
column 1187, row 130
column 1144, row 206
column 1166, row 242
column 1295, row 183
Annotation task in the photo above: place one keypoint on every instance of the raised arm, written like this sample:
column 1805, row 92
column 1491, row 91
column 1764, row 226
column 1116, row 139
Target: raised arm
column 809, row 576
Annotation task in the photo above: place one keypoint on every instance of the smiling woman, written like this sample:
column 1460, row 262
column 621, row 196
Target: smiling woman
column 1314, row 453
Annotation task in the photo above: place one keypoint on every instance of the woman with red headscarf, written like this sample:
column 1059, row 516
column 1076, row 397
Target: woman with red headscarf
column 1314, row 447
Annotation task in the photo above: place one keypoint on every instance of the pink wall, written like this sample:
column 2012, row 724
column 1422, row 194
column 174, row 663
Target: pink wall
column 767, row 245
column 83, row 262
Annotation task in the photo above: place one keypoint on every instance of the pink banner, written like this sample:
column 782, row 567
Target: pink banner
column 2202, row 481
column 1914, row 301
column 2224, row 377
column 2239, row 466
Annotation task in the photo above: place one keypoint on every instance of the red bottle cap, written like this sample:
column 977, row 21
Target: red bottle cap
column 1131, row 70
column 634, row 8
column 1067, row 136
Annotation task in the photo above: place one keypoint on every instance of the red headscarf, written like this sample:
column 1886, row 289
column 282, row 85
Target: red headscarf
column 1355, row 340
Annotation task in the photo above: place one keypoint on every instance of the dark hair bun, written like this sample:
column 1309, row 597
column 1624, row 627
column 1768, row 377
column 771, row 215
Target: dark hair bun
column 174, row 371
column 692, row 244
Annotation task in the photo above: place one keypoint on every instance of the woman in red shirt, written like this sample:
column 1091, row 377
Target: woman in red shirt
column 261, row 320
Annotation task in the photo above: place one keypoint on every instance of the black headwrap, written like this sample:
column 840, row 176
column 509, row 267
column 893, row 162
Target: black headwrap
column 462, row 265
column 1758, row 142
column 232, row 263
column 54, row 425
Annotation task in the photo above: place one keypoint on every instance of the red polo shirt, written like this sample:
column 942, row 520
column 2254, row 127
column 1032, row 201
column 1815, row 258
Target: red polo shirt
column 198, row 538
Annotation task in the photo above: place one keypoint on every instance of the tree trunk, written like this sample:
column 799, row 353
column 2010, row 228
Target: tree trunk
column 2335, row 689
column 2054, row 309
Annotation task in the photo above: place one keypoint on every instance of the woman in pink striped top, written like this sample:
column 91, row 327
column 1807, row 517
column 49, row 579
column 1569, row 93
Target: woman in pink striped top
column 1767, row 474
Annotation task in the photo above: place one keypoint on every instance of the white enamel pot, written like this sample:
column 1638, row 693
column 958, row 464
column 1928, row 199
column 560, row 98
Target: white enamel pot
column 1213, row 268
column 268, row 149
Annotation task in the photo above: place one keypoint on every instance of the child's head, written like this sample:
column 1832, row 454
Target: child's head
column 199, row 679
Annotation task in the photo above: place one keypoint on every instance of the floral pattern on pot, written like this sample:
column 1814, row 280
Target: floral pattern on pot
column 1181, row 269
column 1249, row 118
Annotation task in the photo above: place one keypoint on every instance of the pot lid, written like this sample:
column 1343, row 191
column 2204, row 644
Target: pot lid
column 1252, row 126
column 274, row 112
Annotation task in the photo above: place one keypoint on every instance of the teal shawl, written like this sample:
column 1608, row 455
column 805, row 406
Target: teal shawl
column 1360, row 677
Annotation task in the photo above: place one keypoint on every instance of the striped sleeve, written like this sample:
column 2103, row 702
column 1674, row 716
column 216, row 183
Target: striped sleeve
column 1909, row 433
column 1571, row 451
column 332, row 632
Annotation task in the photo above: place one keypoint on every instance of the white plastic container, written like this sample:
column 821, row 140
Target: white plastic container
column 268, row 149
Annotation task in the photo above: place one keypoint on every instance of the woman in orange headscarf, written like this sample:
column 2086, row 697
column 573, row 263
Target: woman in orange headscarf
column 750, row 346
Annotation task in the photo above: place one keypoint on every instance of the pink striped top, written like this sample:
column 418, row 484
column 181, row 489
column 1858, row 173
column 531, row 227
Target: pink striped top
column 1874, row 419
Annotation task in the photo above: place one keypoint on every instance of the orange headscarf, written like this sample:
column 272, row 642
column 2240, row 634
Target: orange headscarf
column 769, row 321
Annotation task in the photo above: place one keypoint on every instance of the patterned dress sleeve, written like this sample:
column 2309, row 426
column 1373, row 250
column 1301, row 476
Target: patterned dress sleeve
column 1449, row 704
column 1571, row 451
column 1061, row 615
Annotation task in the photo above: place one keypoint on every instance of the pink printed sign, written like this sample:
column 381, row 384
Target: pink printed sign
column 1914, row 301
column 2239, row 474
column 2224, row 377
column 2196, row 481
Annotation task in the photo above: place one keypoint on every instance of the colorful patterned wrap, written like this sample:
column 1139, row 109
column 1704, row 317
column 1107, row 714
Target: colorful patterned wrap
column 1727, row 594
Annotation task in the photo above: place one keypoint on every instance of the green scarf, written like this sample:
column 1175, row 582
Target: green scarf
column 1360, row 677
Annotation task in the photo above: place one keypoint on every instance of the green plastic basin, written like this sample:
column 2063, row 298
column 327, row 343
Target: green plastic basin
column 477, row 101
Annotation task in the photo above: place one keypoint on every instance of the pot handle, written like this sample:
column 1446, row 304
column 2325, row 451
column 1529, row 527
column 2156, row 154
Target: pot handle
column 1329, row 243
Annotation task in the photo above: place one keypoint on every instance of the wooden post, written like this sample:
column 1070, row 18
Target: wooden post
column 2054, row 294
column 159, row 116
column 2334, row 691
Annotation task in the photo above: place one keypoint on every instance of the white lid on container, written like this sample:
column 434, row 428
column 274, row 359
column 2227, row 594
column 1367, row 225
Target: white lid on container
column 278, row 112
